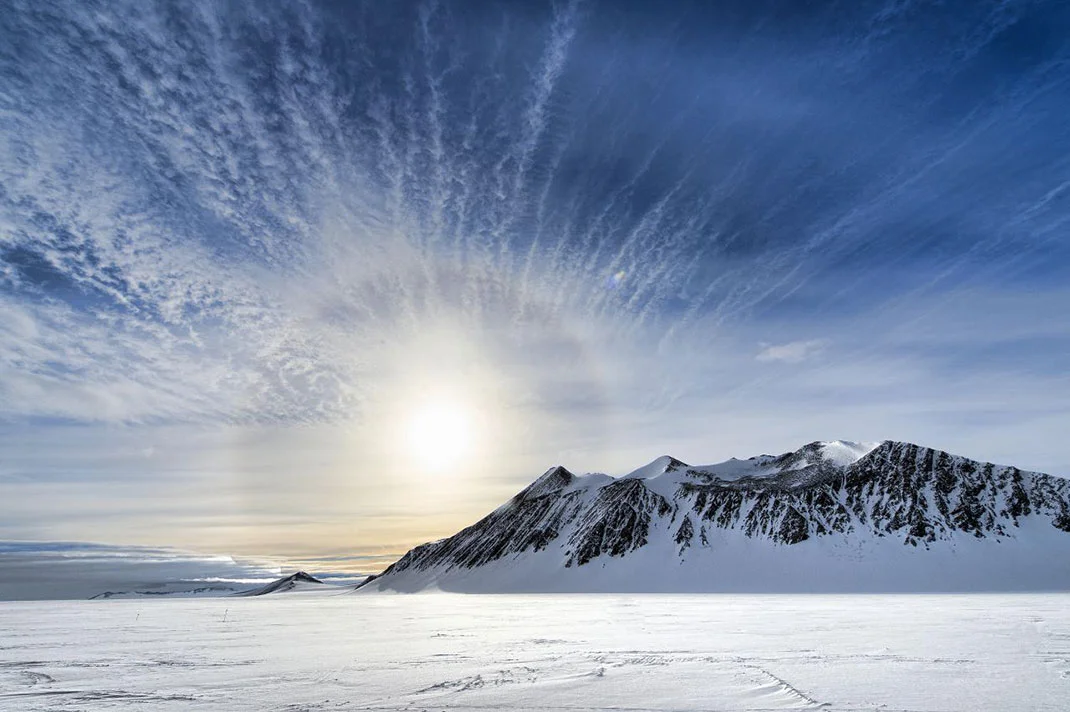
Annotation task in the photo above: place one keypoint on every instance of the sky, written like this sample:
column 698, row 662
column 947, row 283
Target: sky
column 314, row 282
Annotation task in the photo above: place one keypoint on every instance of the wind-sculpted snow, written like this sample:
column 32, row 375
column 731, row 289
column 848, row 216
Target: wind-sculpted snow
column 702, row 519
column 592, row 653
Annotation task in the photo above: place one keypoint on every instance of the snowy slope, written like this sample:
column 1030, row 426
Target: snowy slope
column 831, row 516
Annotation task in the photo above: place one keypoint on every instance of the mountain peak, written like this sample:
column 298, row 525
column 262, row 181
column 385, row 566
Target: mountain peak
column 845, row 452
column 657, row 466
column 553, row 480
column 302, row 576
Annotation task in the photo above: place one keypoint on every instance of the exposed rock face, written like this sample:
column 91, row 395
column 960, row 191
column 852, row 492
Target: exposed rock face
column 898, row 489
column 910, row 494
column 616, row 522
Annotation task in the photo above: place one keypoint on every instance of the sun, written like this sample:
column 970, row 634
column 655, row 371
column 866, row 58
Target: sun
column 440, row 435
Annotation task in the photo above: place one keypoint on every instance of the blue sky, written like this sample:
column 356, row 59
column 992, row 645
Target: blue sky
column 244, row 245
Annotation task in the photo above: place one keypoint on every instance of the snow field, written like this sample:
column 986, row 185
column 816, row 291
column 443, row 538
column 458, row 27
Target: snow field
column 565, row 652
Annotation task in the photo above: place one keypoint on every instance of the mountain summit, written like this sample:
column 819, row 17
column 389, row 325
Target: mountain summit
column 830, row 516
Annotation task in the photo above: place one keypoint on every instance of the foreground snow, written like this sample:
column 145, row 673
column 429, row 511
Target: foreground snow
column 583, row 652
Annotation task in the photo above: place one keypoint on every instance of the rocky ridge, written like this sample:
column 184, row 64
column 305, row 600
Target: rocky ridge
column 895, row 491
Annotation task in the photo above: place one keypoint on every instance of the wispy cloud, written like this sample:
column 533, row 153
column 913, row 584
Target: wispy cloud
column 217, row 245
column 792, row 352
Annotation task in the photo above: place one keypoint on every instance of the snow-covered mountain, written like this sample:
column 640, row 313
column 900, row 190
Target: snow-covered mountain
column 831, row 516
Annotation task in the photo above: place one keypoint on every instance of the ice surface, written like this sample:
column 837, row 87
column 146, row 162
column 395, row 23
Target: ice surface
column 580, row 652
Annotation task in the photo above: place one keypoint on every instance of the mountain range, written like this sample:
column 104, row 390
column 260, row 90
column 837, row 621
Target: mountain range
column 831, row 516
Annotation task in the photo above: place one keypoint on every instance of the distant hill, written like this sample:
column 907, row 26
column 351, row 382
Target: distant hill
column 299, row 581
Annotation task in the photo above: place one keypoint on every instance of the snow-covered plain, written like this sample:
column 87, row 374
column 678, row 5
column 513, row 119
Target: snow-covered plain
column 567, row 652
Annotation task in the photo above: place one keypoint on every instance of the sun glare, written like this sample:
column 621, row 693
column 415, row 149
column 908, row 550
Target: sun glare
column 440, row 435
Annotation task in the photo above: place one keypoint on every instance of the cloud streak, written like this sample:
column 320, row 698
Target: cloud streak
column 793, row 352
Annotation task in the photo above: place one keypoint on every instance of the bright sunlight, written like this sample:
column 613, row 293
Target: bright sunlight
column 440, row 435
